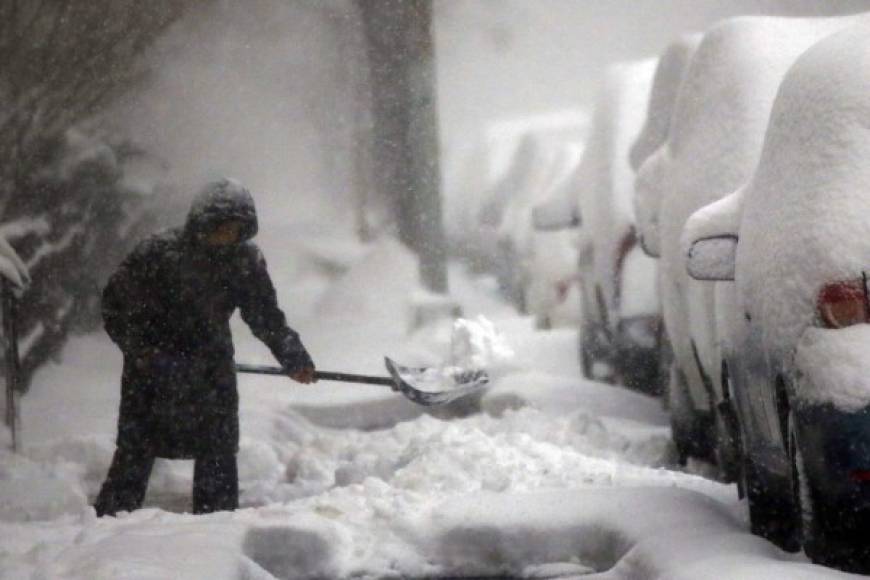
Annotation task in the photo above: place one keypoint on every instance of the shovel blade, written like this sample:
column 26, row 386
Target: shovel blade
column 429, row 387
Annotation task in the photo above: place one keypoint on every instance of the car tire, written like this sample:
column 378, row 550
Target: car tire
column 691, row 431
column 586, row 359
column 727, row 427
column 771, row 509
column 828, row 535
column 595, row 352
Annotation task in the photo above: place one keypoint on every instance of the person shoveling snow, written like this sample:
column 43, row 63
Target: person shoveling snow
column 168, row 307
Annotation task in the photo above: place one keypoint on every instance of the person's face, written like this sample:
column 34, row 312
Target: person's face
column 224, row 234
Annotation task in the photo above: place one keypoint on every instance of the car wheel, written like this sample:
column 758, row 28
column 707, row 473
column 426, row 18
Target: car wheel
column 586, row 359
column 771, row 509
column 800, row 488
column 727, row 427
column 829, row 536
column 666, row 363
column 691, row 431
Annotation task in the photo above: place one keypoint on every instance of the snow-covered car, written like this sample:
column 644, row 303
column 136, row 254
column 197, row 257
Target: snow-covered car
column 714, row 142
column 635, row 344
column 508, row 227
column 619, row 327
column 801, row 271
column 483, row 175
column 663, row 97
column 529, row 154
column 547, row 248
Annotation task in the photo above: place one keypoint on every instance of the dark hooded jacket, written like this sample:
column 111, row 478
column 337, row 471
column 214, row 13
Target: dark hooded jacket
column 168, row 308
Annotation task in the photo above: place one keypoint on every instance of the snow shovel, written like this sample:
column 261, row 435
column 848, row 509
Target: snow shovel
column 424, row 386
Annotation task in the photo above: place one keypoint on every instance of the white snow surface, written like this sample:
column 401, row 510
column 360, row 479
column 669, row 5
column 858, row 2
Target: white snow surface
column 545, row 475
column 805, row 215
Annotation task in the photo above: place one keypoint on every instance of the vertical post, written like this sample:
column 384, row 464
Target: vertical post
column 11, row 360
column 405, row 126
column 423, row 136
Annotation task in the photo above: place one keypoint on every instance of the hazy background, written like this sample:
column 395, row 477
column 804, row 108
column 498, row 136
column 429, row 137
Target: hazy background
column 260, row 89
column 511, row 57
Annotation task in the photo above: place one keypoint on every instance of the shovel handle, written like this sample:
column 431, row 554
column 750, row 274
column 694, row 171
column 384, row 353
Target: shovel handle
column 319, row 375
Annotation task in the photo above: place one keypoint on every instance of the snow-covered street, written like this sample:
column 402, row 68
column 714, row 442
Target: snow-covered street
column 545, row 475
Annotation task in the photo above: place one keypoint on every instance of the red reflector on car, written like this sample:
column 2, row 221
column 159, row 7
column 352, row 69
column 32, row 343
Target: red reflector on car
column 843, row 304
column 860, row 475
column 562, row 289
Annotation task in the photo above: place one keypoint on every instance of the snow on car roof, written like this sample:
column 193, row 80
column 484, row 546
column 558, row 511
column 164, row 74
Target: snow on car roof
column 606, row 179
column 503, row 138
column 666, row 85
column 722, row 112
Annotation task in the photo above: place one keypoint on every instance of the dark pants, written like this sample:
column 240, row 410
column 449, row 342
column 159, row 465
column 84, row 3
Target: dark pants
column 215, row 483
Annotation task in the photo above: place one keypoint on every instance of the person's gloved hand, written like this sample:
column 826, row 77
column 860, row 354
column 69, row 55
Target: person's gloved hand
column 304, row 375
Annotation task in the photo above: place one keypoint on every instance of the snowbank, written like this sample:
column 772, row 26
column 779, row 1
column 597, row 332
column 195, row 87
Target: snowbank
column 38, row 491
column 378, row 286
column 623, row 533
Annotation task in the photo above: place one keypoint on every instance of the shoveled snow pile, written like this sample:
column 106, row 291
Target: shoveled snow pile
column 477, row 344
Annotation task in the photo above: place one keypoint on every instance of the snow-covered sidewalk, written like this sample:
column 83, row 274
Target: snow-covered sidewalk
column 545, row 475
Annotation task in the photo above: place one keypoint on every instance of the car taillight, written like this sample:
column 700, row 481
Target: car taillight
column 562, row 289
column 843, row 304
column 859, row 475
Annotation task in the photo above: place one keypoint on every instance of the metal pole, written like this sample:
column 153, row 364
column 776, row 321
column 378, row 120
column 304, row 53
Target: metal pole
column 10, row 342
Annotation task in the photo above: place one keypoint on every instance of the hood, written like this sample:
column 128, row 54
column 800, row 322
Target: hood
column 221, row 201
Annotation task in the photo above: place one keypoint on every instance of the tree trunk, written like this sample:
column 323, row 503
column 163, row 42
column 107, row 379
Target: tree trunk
column 405, row 126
